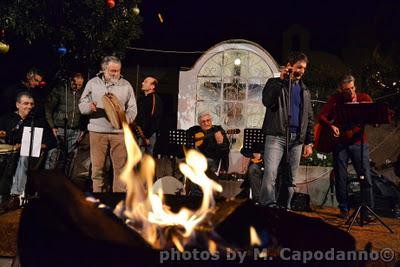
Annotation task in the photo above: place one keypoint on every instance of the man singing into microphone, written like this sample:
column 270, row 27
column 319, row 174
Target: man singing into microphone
column 276, row 100
column 33, row 83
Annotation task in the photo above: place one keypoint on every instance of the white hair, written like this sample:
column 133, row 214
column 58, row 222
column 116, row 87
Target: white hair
column 106, row 60
column 203, row 114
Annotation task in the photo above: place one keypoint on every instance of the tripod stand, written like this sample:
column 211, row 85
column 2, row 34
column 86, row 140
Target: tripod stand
column 361, row 114
column 363, row 208
column 330, row 191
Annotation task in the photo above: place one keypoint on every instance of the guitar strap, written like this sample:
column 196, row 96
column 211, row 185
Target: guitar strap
column 154, row 104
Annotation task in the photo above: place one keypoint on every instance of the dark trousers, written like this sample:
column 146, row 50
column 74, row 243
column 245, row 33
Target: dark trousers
column 341, row 155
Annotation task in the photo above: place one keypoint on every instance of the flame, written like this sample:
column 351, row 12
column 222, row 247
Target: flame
column 146, row 211
column 254, row 238
column 212, row 247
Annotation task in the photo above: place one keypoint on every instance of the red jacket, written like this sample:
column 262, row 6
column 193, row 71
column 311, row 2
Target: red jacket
column 349, row 133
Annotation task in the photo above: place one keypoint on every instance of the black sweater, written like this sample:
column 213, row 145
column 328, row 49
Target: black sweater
column 14, row 125
column 150, row 109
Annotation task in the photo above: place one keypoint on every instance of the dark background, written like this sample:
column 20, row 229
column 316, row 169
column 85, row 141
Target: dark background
column 345, row 31
column 198, row 25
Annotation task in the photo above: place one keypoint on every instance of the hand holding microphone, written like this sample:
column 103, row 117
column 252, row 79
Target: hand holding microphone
column 287, row 70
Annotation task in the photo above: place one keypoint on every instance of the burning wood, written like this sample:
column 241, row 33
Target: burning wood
column 147, row 213
column 165, row 230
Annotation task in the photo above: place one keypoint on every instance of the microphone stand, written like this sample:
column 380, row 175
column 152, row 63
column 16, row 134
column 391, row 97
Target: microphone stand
column 29, row 190
column 287, row 141
column 66, row 123
column 287, row 169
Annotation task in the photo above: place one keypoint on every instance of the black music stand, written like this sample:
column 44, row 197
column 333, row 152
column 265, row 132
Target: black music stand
column 177, row 140
column 363, row 113
column 253, row 139
column 180, row 137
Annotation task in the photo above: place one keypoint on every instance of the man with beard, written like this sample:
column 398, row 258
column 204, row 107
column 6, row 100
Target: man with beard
column 276, row 100
column 102, row 135
column 348, row 144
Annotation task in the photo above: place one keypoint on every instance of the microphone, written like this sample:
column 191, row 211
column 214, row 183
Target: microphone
column 100, row 74
column 16, row 127
column 42, row 84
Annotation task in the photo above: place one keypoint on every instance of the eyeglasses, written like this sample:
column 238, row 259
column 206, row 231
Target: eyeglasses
column 204, row 121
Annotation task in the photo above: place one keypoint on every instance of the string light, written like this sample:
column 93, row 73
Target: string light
column 160, row 18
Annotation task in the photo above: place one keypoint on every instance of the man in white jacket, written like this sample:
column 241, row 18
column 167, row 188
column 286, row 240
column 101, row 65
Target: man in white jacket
column 103, row 136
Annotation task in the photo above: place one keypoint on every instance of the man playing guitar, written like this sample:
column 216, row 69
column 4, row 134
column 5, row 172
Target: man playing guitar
column 347, row 143
column 211, row 140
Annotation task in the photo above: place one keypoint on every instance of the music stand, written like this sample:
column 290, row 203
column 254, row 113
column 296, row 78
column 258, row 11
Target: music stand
column 253, row 138
column 181, row 137
column 178, row 138
column 363, row 113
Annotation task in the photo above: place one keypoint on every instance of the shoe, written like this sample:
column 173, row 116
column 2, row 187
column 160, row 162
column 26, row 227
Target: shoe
column 12, row 203
column 368, row 218
column 344, row 214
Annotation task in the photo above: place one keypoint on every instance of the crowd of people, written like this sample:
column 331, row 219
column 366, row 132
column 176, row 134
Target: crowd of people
column 66, row 113
column 72, row 108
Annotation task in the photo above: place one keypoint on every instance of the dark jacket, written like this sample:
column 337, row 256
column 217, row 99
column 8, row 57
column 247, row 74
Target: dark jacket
column 14, row 125
column 57, row 105
column 209, row 146
column 150, row 111
column 275, row 99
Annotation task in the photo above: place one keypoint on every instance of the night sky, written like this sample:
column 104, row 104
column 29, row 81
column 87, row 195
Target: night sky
column 198, row 25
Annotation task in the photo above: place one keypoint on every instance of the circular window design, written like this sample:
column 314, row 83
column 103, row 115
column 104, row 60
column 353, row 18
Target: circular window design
column 229, row 86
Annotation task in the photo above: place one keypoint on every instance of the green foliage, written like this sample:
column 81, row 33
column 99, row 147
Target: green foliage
column 318, row 159
column 89, row 29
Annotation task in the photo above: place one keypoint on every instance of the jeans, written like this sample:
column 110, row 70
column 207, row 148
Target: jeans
column 20, row 176
column 150, row 148
column 273, row 152
column 53, row 155
column 341, row 155
column 255, row 176
column 100, row 144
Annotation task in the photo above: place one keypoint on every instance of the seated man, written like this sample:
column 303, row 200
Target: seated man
column 11, row 127
column 211, row 140
column 253, row 165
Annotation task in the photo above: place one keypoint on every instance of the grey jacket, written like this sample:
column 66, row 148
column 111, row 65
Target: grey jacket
column 57, row 105
column 275, row 99
column 94, row 91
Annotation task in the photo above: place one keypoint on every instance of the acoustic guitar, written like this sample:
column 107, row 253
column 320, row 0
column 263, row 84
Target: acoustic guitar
column 325, row 141
column 138, row 132
column 199, row 137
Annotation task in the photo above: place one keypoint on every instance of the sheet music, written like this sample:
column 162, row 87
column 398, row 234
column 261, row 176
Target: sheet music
column 37, row 141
